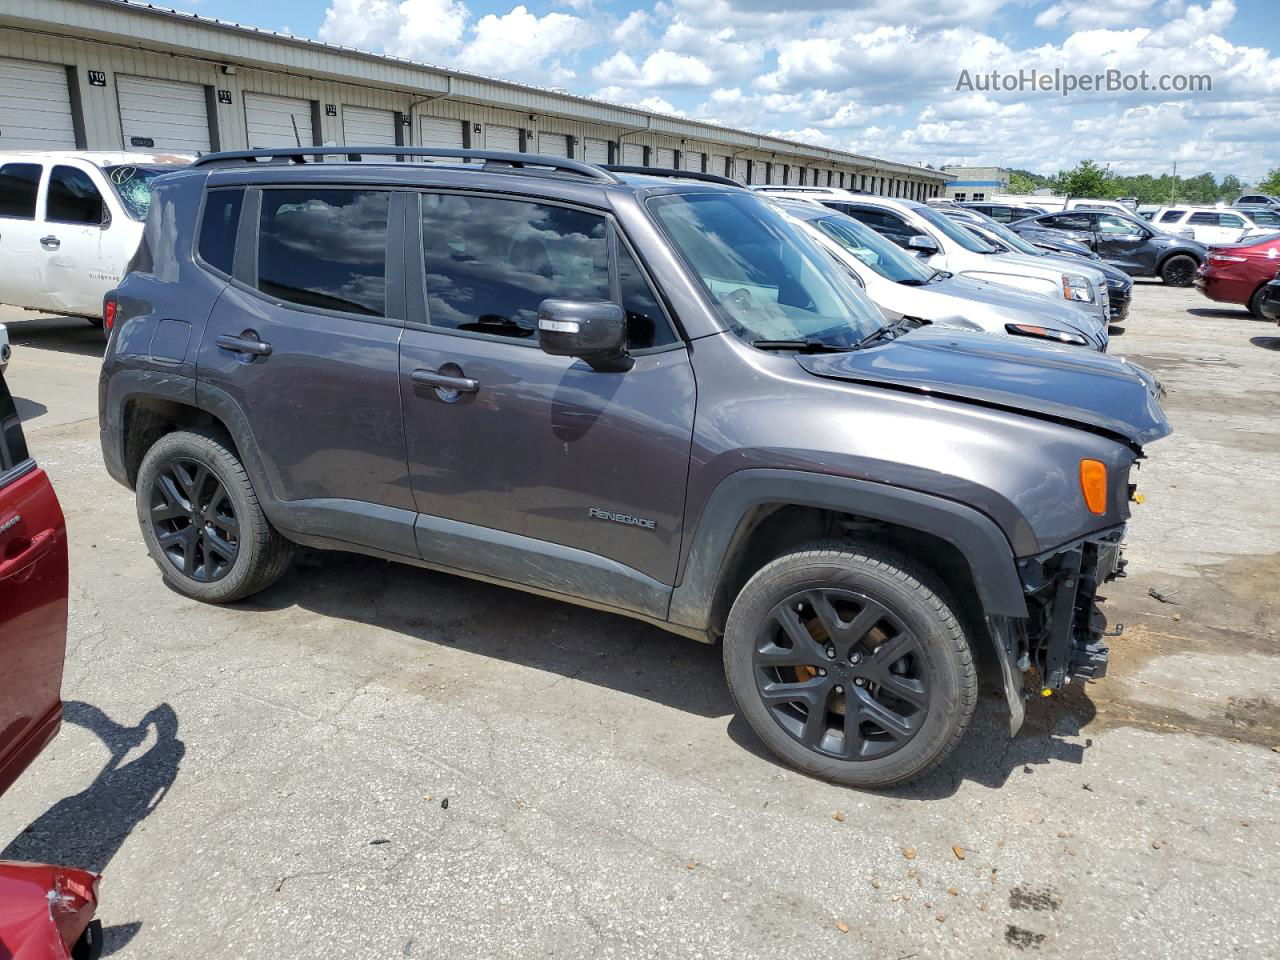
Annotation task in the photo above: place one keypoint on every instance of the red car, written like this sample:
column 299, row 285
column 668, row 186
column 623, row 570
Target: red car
column 1238, row 272
column 46, row 912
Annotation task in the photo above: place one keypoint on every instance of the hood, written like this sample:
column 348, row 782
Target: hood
column 1059, row 383
column 1017, row 306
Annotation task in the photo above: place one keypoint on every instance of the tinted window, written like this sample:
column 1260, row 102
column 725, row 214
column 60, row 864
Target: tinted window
column 491, row 262
column 1000, row 214
column 1171, row 216
column 72, row 197
column 19, row 183
column 1229, row 220
column 1116, row 226
column 13, row 446
column 646, row 324
column 1265, row 217
column 325, row 248
column 1069, row 221
column 218, row 228
column 886, row 224
column 1201, row 219
column 1021, row 213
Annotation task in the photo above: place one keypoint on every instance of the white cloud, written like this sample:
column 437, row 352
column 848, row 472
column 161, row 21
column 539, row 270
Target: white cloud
column 421, row 29
column 518, row 43
column 662, row 68
column 634, row 30
column 1086, row 14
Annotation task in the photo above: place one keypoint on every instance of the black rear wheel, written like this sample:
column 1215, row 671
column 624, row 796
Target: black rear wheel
column 1179, row 270
column 1255, row 302
column 850, row 663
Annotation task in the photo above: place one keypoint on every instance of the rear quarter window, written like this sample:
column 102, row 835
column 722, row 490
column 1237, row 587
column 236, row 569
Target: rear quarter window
column 218, row 226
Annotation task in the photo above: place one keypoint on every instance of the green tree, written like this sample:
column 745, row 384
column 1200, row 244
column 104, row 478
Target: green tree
column 1230, row 187
column 1201, row 189
column 1021, row 183
column 1086, row 180
column 1272, row 183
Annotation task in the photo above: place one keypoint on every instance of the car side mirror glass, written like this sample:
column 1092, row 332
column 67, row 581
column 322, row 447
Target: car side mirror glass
column 594, row 331
column 922, row 245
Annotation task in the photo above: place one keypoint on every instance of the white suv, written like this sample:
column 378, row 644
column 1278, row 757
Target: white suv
column 69, row 222
column 1216, row 224
column 945, row 245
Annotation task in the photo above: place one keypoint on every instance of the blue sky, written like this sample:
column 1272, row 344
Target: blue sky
column 875, row 76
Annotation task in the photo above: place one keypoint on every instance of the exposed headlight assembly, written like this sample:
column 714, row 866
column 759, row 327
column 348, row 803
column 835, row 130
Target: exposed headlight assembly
column 1044, row 333
column 1076, row 288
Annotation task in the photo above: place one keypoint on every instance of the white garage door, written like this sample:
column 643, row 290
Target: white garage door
column 664, row 157
column 271, row 121
column 35, row 109
column 595, row 151
column 440, row 132
column 692, row 161
column 163, row 115
column 553, row 144
column 758, row 171
column 366, row 127
column 506, row 139
column 719, row 165
column 633, row 155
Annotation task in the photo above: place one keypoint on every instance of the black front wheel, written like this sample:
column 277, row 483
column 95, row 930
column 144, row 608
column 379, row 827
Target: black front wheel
column 202, row 522
column 850, row 663
column 1179, row 270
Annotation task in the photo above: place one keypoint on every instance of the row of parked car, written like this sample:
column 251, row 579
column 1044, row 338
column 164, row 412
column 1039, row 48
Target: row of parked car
column 777, row 422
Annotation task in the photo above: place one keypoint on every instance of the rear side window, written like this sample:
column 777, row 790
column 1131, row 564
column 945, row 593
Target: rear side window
column 72, row 197
column 1171, row 216
column 886, row 224
column 1070, row 221
column 325, row 249
column 491, row 262
column 218, row 228
column 19, row 183
column 13, row 446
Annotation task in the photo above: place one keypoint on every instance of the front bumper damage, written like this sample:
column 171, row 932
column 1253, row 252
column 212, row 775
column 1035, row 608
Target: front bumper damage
column 1063, row 638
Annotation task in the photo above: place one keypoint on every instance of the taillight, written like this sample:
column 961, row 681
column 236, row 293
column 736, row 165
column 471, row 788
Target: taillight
column 109, row 313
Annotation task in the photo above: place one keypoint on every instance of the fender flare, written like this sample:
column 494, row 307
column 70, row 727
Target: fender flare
column 722, row 523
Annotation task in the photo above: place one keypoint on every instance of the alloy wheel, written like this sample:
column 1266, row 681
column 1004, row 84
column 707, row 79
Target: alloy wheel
column 194, row 520
column 842, row 674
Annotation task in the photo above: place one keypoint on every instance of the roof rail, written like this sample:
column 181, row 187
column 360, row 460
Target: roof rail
column 668, row 172
column 300, row 154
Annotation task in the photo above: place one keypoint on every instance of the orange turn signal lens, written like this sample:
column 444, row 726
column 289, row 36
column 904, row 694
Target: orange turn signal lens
column 1093, row 484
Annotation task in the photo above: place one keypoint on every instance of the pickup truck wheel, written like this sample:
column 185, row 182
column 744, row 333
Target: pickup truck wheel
column 202, row 522
column 850, row 663
column 1179, row 270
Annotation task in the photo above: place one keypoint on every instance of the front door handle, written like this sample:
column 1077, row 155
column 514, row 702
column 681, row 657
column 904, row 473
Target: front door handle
column 432, row 378
column 244, row 344
column 33, row 551
column 50, row 242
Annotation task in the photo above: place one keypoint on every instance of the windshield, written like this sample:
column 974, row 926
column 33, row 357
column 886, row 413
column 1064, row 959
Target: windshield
column 132, row 185
column 953, row 230
column 767, row 279
column 883, row 256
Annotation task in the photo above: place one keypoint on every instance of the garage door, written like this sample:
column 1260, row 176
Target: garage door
column 272, row 121
column 595, row 150
column 719, row 165
column 691, row 161
column 364, row 126
column 664, row 157
column 758, row 171
column 35, row 110
column 506, row 139
column 163, row 115
column 440, row 132
column 553, row 144
column 633, row 155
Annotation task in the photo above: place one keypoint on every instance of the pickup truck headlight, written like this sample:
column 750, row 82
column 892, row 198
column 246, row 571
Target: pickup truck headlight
column 1076, row 288
column 1044, row 333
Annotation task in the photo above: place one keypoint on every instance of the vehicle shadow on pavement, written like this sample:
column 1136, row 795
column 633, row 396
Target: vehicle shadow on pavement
column 64, row 334
column 634, row 658
column 88, row 829
column 1266, row 343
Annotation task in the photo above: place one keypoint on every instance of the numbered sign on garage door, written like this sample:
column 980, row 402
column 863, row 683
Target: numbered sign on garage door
column 664, row 157
column 35, row 109
column 633, row 155
column 163, row 115
column 553, row 144
column 506, row 139
column 595, row 150
column 366, row 127
column 271, row 121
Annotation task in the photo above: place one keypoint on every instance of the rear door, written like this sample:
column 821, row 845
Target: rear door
column 33, row 600
column 20, row 250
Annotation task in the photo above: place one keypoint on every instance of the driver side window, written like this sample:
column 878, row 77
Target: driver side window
column 1116, row 226
column 72, row 198
column 886, row 224
column 1071, row 221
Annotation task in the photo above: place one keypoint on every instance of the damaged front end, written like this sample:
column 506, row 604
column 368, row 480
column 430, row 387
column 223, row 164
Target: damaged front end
column 1064, row 635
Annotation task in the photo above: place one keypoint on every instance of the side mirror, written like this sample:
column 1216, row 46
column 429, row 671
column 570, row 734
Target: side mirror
column 922, row 246
column 591, row 330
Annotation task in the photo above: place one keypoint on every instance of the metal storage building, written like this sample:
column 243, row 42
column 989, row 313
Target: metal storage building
column 112, row 74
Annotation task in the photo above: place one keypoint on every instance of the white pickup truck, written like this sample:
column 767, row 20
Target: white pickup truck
column 69, row 223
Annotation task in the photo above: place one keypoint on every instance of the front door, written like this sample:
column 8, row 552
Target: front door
column 528, row 467
column 306, row 345
column 20, row 250
column 1121, row 242
column 77, row 270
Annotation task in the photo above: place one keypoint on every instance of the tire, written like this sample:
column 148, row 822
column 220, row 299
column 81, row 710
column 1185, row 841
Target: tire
column 881, row 605
column 1255, row 302
column 1179, row 270
column 195, row 500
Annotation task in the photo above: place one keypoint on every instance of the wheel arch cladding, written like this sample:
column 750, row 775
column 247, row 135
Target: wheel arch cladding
column 734, row 511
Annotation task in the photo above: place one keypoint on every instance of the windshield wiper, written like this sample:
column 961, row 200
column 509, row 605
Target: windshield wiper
column 890, row 331
column 940, row 275
column 800, row 346
column 914, row 282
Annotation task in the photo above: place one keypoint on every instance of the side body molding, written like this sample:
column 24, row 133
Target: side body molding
column 739, row 495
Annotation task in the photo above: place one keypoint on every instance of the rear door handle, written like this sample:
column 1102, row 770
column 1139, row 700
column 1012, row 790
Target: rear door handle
column 50, row 242
column 430, row 378
column 244, row 345
column 29, row 554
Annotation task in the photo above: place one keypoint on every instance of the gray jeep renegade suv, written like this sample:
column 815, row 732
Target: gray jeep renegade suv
column 648, row 393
